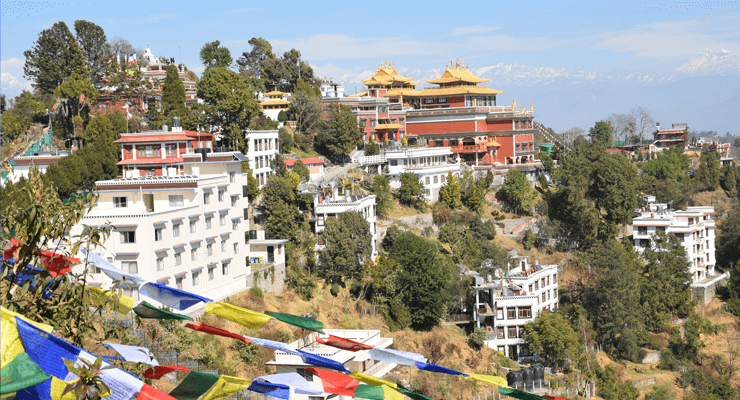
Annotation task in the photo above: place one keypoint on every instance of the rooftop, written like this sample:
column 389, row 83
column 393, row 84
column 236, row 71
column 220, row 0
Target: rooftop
column 457, row 73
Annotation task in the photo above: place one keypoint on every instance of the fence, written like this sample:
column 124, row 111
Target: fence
column 643, row 382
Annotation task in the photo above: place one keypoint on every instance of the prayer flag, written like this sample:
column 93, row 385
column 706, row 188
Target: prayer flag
column 371, row 380
column 296, row 382
column 97, row 297
column 20, row 373
column 518, row 394
column 146, row 310
column 494, row 380
column 301, row 322
column 194, row 385
column 56, row 264
column 436, row 368
column 335, row 382
column 271, row 344
column 226, row 386
column 319, row 361
column 10, row 342
column 271, row 389
column 111, row 271
column 242, row 316
column 396, row 356
column 412, row 395
column 171, row 297
column 200, row 327
column 369, row 392
column 149, row 393
column 134, row 354
column 344, row 344
column 160, row 371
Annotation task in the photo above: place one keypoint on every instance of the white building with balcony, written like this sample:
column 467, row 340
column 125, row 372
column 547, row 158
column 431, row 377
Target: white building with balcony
column 694, row 227
column 328, row 208
column 358, row 361
column 506, row 302
column 262, row 147
column 429, row 164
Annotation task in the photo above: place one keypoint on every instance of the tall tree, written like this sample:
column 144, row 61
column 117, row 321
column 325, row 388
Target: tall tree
column 384, row 202
column 339, row 134
column 450, row 191
column 173, row 93
column 671, row 163
column 254, row 60
column 553, row 338
column 229, row 103
column 423, row 279
column 347, row 243
column 302, row 170
column 411, row 192
column 77, row 94
column 707, row 176
column 517, row 192
column 614, row 188
column 212, row 54
column 306, row 111
column 53, row 57
column 643, row 122
column 98, row 56
column 602, row 132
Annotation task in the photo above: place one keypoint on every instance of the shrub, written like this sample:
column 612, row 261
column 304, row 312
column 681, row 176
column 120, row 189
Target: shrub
column 248, row 352
column 477, row 339
column 335, row 289
column 528, row 240
column 256, row 292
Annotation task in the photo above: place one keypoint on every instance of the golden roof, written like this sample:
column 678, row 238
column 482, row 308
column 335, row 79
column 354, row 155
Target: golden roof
column 457, row 73
column 471, row 89
column 386, row 75
column 492, row 143
column 388, row 126
column 401, row 92
column 357, row 94
column 276, row 102
column 274, row 93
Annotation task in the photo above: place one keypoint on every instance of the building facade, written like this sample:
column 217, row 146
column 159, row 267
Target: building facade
column 676, row 135
column 315, row 166
column 694, row 227
column 273, row 102
column 326, row 208
column 262, row 147
column 24, row 164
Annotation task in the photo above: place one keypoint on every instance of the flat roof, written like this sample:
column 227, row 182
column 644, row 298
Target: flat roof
column 267, row 242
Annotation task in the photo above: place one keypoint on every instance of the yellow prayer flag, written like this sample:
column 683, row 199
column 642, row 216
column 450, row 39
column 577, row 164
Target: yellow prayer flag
column 494, row 380
column 226, row 386
column 371, row 380
column 391, row 393
column 57, row 388
column 98, row 296
column 242, row 316
column 10, row 342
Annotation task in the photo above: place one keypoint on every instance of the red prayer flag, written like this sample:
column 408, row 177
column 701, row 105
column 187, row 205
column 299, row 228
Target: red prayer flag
column 555, row 398
column 149, row 393
column 211, row 330
column 56, row 264
column 160, row 371
column 10, row 253
column 344, row 344
column 336, row 382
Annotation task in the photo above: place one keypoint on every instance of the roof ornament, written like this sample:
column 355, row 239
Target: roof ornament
column 451, row 64
column 457, row 65
column 513, row 106
column 531, row 107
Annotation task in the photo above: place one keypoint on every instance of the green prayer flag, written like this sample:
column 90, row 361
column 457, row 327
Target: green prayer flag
column 193, row 386
column 21, row 373
column 146, row 310
column 367, row 391
column 518, row 394
column 301, row 322
column 412, row 395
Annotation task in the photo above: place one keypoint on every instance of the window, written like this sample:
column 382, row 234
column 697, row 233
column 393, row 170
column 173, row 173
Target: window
column 429, row 100
column 120, row 202
column 178, row 258
column 176, row 230
column 209, row 249
column 537, row 285
column 225, row 268
column 452, row 143
column 543, row 297
column 158, row 234
column 426, row 179
column 206, row 198
column 160, row 264
column 196, row 278
column 232, row 177
column 193, row 254
column 233, row 200
column 221, row 193
column 443, row 178
column 525, row 312
column 223, row 246
column 309, row 377
column 128, row 237
column 235, row 224
column 171, row 150
column 531, row 287
column 555, row 293
column 436, row 179
column 548, row 279
column 512, row 332
column 178, row 282
column 511, row 313
column 208, row 222
column 222, row 219
column 130, row 266
column 210, row 273
column 555, row 278
column 236, row 247
column 442, row 100
column 176, row 200
column 192, row 226
column 543, row 282
column 660, row 229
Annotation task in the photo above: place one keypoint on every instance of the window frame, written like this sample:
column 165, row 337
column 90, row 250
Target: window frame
column 118, row 203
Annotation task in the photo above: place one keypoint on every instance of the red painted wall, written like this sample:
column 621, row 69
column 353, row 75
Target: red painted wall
column 502, row 125
column 440, row 127
column 506, row 149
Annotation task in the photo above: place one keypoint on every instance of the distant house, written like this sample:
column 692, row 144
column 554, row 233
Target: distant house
column 42, row 161
column 262, row 147
column 315, row 166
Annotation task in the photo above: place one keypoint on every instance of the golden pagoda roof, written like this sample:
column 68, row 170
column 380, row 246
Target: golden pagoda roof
column 357, row 94
column 457, row 73
column 386, row 75
column 275, row 102
column 492, row 143
column 401, row 92
column 274, row 93
column 388, row 126
column 448, row 91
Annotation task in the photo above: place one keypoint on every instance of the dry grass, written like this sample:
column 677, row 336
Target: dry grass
column 400, row 210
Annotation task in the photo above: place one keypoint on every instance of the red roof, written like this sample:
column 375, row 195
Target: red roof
column 194, row 134
column 151, row 160
column 312, row 160
column 613, row 150
column 174, row 137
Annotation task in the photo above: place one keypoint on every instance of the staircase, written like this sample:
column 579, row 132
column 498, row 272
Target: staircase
column 555, row 139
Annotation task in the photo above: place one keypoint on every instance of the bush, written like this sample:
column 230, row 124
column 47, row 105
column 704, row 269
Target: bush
column 477, row 339
column 610, row 387
column 335, row 289
column 256, row 292
column 248, row 352
column 528, row 240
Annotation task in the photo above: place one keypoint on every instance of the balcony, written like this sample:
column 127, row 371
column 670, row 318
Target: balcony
column 469, row 149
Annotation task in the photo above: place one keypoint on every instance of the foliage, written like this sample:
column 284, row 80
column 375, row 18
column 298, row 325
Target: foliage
column 705, row 386
column 384, row 202
column 517, row 192
column 477, row 338
column 282, row 116
column 173, row 93
column 77, row 94
column 728, row 246
column 450, row 192
column 95, row 48
column 302, row 170
column 422, row 280
column 339, row 134
column 256, row 292
column 707, row 176
column 249, row 353
column 602, row 132
column 348, row 242
column 212, row 55
column 302, row 284
column 553, row 338
column 306, row 111
column 89, row 386
column 472, row 192
column 610, row 387
column 671, row 163
column 688, row 346
column 547, row 162
column 529, row 240
column 95, row 162
column 53, row 57
column 285, row 139
column 411, row 192
column 728, row 178
column 253, row 189
column 372, row 148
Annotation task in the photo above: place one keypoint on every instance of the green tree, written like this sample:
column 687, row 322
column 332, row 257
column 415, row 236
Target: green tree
column 422, row 280
column 450, row 192
column 553, row 338
column 285, row 139
column 728, row 179
column 411, row 192
column 347, row 243
column 372, row 148
column 282, row 116
column 517, row 192
column 384, row 202
column 489, row 178
column 173, row 93
column 661, row 392
column 106, row 127
column 707, row 176
column 306, row 112
column 671, row 163
column 302, row 170
column 547, row 162
column 94, row 45
column 213, row 55
column 339, row 134
column 53, row 57
column 688, row 346
column 601, row 132
column 611, row 387
column 614, row 188
column 95, row 162
column 229, row 103
column 77, row 93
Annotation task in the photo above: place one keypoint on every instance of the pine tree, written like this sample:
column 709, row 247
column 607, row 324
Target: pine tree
column 450, row 191
column 53, row 58
column 173, row 93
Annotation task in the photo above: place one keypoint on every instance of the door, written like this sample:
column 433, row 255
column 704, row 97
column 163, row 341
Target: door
column 149, row 202
column 270, row 254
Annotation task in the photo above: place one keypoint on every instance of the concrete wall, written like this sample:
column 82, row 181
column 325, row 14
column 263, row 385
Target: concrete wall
column 703, row 294
column 269, row 279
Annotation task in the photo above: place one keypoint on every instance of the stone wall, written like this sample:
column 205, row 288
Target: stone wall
column 271, row 278
column 704, row 293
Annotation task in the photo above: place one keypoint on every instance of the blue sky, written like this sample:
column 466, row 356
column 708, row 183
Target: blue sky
column 536, row 47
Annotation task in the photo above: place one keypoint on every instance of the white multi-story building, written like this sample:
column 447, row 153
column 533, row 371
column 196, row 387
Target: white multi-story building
column 185, row 224
column 330, row 89
column 693, row 226
column 353, row 361
column 42, row 162
column 430, row 164
column 508, row 301
column 328, row 208
column 262, row 147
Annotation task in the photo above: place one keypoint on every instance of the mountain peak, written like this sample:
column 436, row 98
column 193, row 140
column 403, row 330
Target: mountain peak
column 708, row 62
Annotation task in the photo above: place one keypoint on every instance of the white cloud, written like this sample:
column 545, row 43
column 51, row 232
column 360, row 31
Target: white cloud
column 467, row 30
column 12, row 85
column 667, row 39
